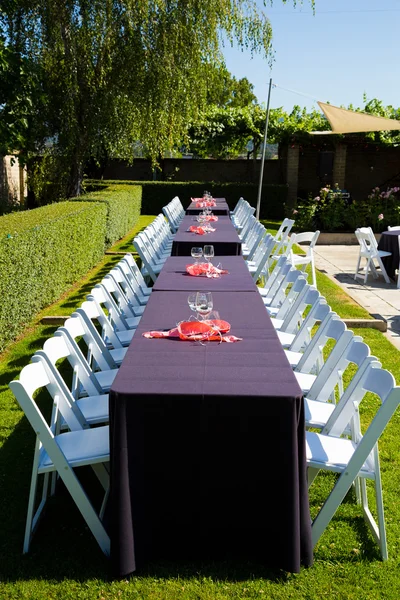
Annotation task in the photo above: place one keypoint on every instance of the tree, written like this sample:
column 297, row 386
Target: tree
column 116, row 71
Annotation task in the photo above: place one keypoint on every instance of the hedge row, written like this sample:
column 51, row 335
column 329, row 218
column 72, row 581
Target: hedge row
column 123, row 208
column 46, row 250
column 156, row 194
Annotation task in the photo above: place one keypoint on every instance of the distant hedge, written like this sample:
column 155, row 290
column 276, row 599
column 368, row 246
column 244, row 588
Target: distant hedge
column 156, row 194
column 42, row 253
column 123, row 208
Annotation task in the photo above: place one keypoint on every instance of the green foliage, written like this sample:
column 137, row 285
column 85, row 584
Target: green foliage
column 330, row 212
column 156, row 194
column 116, row 72
column 42, row 253
column 123, row 208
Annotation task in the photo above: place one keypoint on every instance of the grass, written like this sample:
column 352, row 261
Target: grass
column 65, row 562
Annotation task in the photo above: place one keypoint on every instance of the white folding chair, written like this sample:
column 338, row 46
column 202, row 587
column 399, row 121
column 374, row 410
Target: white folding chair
column 311, row 238
column 61, row 453
column 369, row 251
column 354, row 459
column 106, row 306
column 136, row 274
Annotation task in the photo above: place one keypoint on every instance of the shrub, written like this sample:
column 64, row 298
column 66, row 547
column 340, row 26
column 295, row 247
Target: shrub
column 123, row 208
column 157, row 194
column 42, row 253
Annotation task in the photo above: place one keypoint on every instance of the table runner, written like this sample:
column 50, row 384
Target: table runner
column 224, row 239
column 389, row 241
column 207, row 444
column 173, row 276
column 222, row 208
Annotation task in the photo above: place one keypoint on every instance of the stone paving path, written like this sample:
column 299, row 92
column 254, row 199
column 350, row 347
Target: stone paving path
column 380, row 299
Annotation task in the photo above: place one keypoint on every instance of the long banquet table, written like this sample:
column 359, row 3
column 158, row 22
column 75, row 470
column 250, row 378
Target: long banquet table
column 207, row 443
column 173, row 276
column 224, row 239
column 221, row 208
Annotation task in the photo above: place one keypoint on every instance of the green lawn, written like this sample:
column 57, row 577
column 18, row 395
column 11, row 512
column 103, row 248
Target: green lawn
column 65, row 562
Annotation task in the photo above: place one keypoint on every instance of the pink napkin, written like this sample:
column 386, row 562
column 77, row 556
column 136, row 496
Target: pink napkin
column 197, row 331
column 206, row 269
column 200, row 230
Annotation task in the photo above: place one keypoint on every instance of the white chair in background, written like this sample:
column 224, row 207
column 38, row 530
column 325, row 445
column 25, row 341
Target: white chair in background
column 61, row 453
column 311, row 238
column 369, row 251
column 354, row 460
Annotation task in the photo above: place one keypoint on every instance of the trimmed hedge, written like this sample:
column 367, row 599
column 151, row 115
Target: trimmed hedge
column 123, row 207
column 42, row 253
column 157, row 194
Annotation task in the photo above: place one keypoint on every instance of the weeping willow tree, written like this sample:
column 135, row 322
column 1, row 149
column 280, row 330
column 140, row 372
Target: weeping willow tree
column 112, row 72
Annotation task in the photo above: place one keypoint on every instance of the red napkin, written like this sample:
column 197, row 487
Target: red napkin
column 200, row 230
column 206, row 269
column 211, row 218
column 197, row 331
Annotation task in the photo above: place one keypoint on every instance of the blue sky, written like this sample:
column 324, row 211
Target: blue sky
column 348, row 48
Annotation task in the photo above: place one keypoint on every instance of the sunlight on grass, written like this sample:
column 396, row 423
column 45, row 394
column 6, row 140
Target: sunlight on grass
column 65, row 562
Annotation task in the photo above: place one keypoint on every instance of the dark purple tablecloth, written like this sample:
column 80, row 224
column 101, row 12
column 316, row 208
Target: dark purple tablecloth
column 390, row 243
column 224, row 239
column 222, row 208
column 207, row 444
column 173, row 276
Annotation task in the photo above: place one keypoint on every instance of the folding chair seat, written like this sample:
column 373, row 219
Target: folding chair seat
column 354, row 460
column 308, row 258
column 87, row 379
column 61, row 453
column 369, row 251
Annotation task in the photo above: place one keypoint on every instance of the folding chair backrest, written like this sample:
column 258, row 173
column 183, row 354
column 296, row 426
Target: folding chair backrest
column 128, row 258
column 379, row 382
column 284, row 229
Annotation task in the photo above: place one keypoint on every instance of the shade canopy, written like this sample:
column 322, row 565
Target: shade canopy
column 348, row 121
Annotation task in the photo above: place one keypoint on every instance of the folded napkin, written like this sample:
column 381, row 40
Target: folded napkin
column 211, row 218
column 210, row 330
column 200, row 230
column 205, row 269
column 205, row 203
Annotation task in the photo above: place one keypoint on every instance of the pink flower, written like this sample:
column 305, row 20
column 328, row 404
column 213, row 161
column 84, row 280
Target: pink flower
column 295, row 211
column 317, row 198
column 380, row 217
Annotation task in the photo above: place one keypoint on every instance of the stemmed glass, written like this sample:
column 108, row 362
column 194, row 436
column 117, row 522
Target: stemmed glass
column 196, row 253
column 192, row 301
column 208, row 253
column 204, row 303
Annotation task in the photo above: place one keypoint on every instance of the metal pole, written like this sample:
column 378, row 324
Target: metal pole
column 263, row 154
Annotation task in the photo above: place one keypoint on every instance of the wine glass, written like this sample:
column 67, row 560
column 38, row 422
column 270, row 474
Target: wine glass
column 204, row 303
column 192, row 301
column 196, row 253
column 208, row 253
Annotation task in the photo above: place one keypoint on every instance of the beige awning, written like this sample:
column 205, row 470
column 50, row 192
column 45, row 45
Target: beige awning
column 348, row 121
